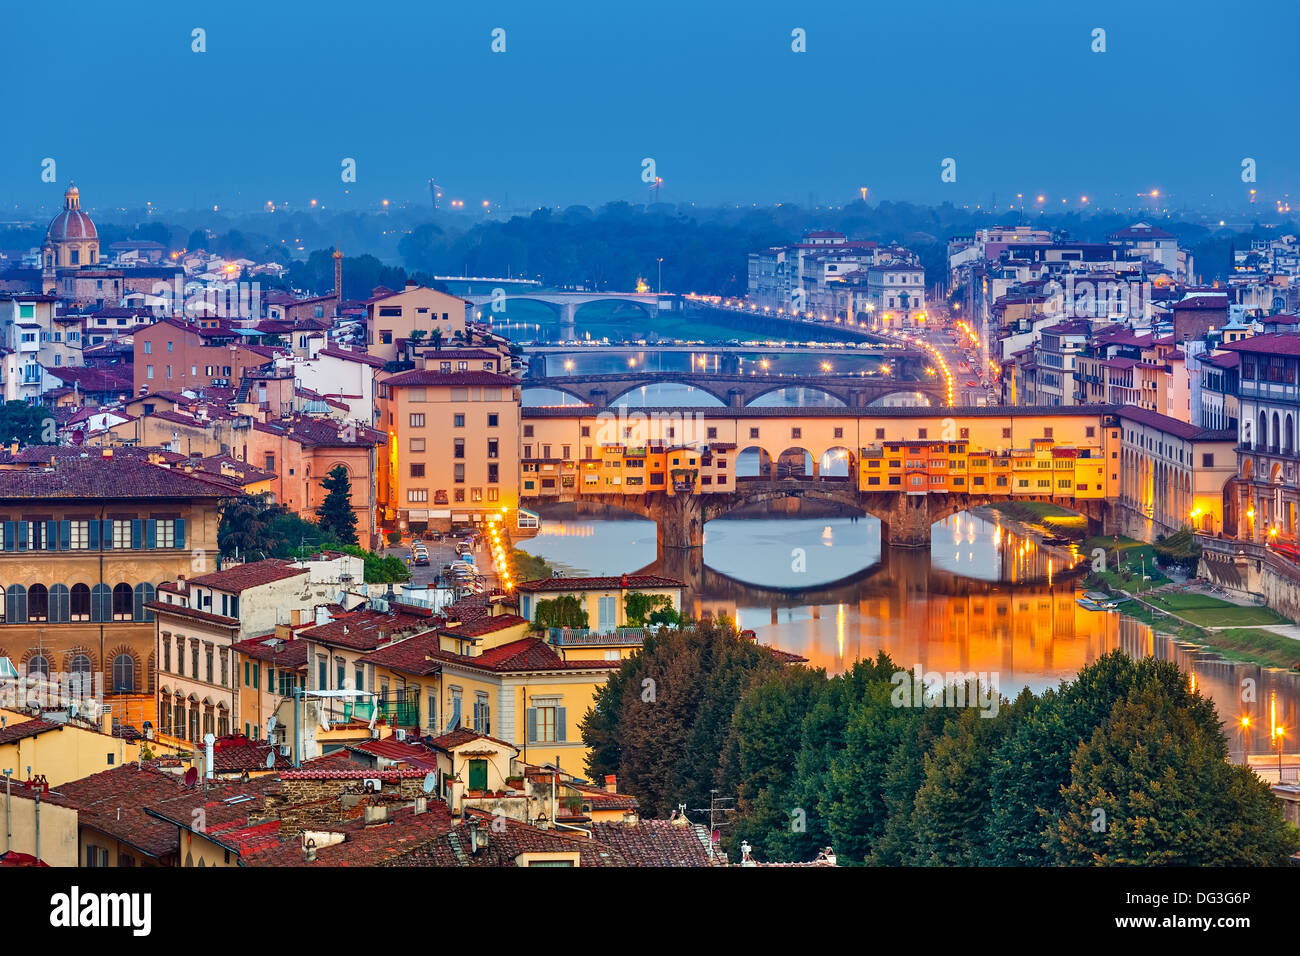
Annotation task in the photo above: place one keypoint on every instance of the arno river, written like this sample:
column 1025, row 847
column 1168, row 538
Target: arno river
column 981, row 599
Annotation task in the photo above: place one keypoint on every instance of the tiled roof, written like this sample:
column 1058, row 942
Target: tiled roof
column 506, row 840
column 191, row 613
column 463, row 735
column 27, row 728
column 657, row 843
column 363, row 845
column 244, row 576
column 415, row 755
column 291, row 653
column 408, row 656
column 1173, row 426
column 101, row 478
column 434, row 377
column 234, row 755
column 599, row 584
column 1268, row 343
column 365, row 630
column 485, row 625
column 527, row 654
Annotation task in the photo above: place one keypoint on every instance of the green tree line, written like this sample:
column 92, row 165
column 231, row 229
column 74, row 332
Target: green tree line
column 1124, row 765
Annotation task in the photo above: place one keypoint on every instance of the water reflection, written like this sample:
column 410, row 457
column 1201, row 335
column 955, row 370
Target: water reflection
column 982, row 599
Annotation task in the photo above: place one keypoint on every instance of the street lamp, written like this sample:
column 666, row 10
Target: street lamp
column 661, row 276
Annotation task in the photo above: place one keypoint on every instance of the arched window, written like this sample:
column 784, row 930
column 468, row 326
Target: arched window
column 59, row 604
column 82, row 676
column 123, row 674
column 16, row 604
column 79, row 603
column 1275, row 443
column 123, row 599
column 101, row 603
column 38, row 666
column 143, row 595
column 38, row 603
column 1261, row 437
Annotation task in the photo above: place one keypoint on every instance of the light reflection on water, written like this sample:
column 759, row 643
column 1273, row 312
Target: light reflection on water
column 982, row 599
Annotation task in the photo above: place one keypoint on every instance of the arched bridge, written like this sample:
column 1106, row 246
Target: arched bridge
column 567, row 304
column 735, row 391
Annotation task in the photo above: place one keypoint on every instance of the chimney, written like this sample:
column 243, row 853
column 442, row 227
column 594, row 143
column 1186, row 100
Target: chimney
column 421, row 805
column 376, row 815
column 106, row 722
column 623, row 581
column 611, row 783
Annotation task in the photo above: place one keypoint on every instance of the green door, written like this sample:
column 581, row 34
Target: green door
column 478, row 774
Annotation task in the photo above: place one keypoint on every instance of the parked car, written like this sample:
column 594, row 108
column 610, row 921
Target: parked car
column 422, row 560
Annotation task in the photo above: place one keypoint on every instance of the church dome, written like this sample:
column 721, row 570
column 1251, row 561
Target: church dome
column 72, row 224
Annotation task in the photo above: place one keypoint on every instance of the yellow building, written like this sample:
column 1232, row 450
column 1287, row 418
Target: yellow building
column 453, row 445
column 63, row 749
column 393, row 317
column 603, row 600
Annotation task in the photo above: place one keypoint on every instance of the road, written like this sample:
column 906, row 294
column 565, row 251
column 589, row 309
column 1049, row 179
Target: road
column 961, row 353
column 442, row 553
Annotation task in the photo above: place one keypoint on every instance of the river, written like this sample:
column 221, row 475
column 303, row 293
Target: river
column 982, row 598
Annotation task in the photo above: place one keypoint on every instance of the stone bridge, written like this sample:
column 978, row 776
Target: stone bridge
column 567, row 304
column 736, row 391
column 905, row 519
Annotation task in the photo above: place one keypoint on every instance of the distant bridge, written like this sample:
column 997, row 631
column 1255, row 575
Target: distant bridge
column 736, row 391
column 567, row 304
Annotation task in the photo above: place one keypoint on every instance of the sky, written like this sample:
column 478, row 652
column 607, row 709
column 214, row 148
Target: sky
column 584, row 92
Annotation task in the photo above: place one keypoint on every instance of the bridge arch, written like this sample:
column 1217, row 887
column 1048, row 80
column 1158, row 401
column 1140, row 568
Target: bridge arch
column 549, row 387
column 842, row 400
column 903, row 397
column 796, row 462
column 721, row 399
column 837, row 461
column 758, row 465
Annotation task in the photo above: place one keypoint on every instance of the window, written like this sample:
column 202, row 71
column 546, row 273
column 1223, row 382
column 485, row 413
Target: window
column 482, row 722
column 458, row 421
column 458, row 448
column 880, row 434
column 38, row 603
column 123, row 600
column 417, row 444
column 493, row 445
column 493, row 420
column 124, row 674
column 753, row 433
column 923, row 433
column 16, row 604
column 796, row 433
column 839, row 433
column 494, row 471
column 458, row 474
column 417, row 419
column 38, row 666
column 1006, row 433
column 1207, row 460
column 417, row 471
column 417, row 494
column 80, row 602
column 528, row 431
column 546, row 722
column 121, row 533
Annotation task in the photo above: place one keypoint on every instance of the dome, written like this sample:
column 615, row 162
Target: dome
column 72, row 223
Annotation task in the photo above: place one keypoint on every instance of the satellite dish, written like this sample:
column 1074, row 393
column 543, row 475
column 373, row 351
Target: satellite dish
column 270, row 759
column 430, row 781
column 191, row 777
column 270, row 726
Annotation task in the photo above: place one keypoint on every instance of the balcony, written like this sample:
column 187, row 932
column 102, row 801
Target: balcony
column 585, row 637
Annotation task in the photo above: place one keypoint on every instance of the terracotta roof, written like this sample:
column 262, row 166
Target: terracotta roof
column 433, row 377
column 1174, row 426
column 408, row 656
column 364, row 630
column 599, row 584
column 102, row 478
column 485, row 625
column 27, row 728
column 192, row 613
column 244, row 576
column 415, row 755
column 527, row 654
column 463, row 735
column 657, row 843
column 237, row 754
column 506, row 840
column 290, row 653
column 363, row 845
column 1268, row 343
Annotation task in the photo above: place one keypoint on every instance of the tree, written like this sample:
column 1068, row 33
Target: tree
column 26, row 424
column 336, row 515
column 1153, row 788
column 638, row 606
column 436, row 337
column 563, row 611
